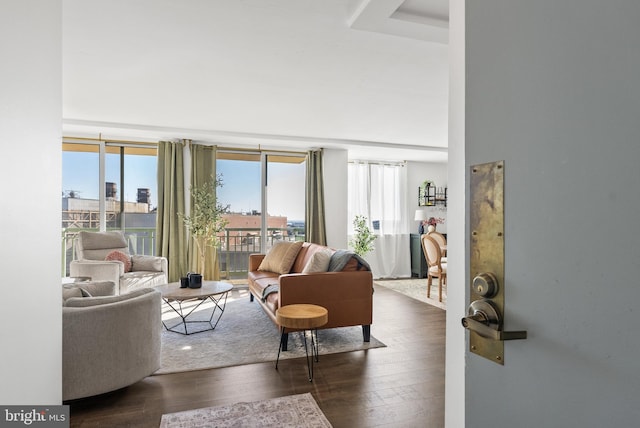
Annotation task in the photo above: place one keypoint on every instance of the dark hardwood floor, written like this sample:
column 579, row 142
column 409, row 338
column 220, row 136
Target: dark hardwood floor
column 401, row 385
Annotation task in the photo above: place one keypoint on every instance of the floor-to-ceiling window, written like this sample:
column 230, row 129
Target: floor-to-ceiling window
column 240, row 191
column 107, row 186
column 132, row 170
column 377, row 191
column 265, row 195
column 285, row 192
column 264, row 192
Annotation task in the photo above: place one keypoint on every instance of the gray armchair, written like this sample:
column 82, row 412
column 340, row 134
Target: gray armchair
column 109, row 342
column 92, row 248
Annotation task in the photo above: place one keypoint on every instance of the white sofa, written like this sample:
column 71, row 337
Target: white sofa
column 108, row 342
column 92, row 248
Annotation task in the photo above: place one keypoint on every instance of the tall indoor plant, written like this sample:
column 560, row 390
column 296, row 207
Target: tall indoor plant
column 205, row 221
column 363, row 238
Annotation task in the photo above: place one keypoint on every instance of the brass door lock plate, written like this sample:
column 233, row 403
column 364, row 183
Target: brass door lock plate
column 485, row 320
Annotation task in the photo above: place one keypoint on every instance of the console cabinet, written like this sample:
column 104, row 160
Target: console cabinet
column 418, row 262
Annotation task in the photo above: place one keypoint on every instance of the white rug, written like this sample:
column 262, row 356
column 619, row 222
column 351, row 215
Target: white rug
column 416, row 288
column 245, row 335
column 293, row 411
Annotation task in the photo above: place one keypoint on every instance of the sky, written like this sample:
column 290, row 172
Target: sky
column 240, row 189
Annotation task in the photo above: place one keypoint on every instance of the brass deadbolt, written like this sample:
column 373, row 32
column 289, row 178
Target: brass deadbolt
column 485, row 285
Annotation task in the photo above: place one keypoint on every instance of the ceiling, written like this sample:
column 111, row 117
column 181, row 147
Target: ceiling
column 370, row 76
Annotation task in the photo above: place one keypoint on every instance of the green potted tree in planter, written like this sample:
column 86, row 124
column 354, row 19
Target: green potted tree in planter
column 206, row 220
column 362, row 242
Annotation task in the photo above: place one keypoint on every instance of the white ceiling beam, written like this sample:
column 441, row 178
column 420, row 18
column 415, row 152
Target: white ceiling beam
column 376, row 16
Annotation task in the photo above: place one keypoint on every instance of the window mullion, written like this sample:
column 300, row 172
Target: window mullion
column 102, row 189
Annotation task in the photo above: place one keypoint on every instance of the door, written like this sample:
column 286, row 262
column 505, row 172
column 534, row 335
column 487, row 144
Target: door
column 559, row 103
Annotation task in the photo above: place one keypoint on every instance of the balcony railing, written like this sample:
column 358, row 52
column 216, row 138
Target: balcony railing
column 235, row 245
column 238, row 243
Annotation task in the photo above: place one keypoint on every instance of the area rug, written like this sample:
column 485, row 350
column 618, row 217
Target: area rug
column 416, row 288
column 293, row 411
column 244, row 335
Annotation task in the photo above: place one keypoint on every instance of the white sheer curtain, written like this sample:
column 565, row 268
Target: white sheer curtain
column 378, row 192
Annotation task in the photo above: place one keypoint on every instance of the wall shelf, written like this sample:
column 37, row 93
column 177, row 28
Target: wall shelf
column 429, row 196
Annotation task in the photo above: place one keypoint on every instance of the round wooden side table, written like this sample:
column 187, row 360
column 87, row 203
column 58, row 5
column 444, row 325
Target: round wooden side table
column 302, row 317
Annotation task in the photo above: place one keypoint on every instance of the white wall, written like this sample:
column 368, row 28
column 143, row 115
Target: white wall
column 457, row 288
column 553, row 89
column 30, row 170
column 335, row 195
column 417, row 173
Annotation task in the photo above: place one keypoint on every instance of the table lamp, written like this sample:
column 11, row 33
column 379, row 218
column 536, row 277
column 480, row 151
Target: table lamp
column 421, row 216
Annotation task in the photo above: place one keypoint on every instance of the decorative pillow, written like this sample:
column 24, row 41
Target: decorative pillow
column 120, row 256
column 319, row 262
column 104, row 300
column 98, row 288
column 68, row 292
column 280, row 257
column 146, row 263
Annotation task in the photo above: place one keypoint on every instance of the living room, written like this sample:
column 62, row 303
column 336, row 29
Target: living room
column 269, row 128
column 251, row 92
column 546, row 85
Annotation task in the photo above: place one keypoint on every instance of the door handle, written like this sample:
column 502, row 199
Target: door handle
column 484, row 318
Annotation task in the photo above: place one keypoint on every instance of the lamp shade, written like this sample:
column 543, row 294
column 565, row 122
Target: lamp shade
column 420, row 215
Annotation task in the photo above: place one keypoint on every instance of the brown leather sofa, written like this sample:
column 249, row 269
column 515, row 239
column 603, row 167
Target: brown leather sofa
column 346, row 294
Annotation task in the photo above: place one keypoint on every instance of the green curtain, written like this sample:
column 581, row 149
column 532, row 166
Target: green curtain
column 170, row 231
column 314, row 200
column 203, row 167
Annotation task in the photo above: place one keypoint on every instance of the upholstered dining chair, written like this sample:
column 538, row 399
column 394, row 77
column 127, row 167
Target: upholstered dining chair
column 436, row 268
column 442, row 241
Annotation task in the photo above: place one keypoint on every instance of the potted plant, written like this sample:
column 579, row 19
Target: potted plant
column 362, row 241
column 206, row 220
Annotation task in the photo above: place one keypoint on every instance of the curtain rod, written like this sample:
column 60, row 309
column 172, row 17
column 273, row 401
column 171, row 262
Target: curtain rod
column 259, row 150
column 107, row 140
column 152, row 143
column 399, row 163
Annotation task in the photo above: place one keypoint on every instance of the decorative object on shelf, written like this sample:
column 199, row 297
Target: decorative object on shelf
column 362, row 241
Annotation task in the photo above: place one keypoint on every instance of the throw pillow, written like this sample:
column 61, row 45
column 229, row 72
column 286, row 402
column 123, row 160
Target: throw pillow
column 68, row 292
column 146, row 263
column 98, row 288
column 104, row 300
column 120, row 256
column 280, row 257
column 319, row 262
